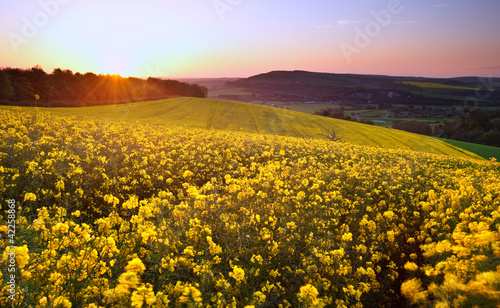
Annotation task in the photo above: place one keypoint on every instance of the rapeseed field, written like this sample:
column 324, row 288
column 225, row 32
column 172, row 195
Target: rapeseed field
column 121, row 214
column 214, row 114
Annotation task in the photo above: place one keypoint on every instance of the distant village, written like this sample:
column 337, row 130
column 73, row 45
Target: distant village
column 324, row 103
column 391, row 101
column 416, row 112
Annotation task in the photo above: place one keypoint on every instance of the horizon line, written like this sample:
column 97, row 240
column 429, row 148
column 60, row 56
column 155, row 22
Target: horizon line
column 241, row 77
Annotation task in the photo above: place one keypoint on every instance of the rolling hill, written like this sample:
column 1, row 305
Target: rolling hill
column 250, row 118
column 355, row 89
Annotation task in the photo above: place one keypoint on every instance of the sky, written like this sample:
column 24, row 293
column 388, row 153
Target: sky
column 241, row 38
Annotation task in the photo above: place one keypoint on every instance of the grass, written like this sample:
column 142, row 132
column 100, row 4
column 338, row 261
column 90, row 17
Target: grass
column 371, row 113
column 442, row 91
column 482, row 150
column 436, row 85
column 245, row 117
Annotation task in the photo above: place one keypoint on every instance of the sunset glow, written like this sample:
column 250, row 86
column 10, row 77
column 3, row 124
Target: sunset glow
column 198, row 38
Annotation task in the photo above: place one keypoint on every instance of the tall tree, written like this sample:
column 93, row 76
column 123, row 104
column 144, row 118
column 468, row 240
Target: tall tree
column 6, row 89
column 41, row 83
column 22, row 87
column 65, row 82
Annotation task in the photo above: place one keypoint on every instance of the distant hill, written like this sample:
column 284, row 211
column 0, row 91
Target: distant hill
column 251, row 118
column 355, row 89
column 354, row 79
column 209, row 83
column 313, row 78
column 299, row 75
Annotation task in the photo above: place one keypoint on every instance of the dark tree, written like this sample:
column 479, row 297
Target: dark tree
column 6, row 89
column 41, row 83
column 65, row 83
column 23, row 91
column 416, row 127
column 331, row 135
column 63, row 88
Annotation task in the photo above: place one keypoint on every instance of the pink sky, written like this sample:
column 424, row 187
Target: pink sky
column 221, row 38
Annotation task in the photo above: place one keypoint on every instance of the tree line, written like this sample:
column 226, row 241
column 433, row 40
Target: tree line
column 476, row 126
column 63, row 88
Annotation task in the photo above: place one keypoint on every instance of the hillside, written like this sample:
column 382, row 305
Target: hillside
column 356, row 89
column 237, row 116
column 364, row 81
column 356, row 79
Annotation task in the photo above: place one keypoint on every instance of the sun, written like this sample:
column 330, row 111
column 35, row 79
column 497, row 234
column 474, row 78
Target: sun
column 116, row 63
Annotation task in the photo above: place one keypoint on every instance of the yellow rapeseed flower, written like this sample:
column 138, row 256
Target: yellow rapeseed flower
column 238, row 273
column 135, row 266
column 43, row 301
column 22, row 256
column 62, row 301
column 29, row 197
column 308, row 291
column 129, row 280
column 187, row 174
column 144, row 293
column 347, row 237
column 411, row 266
column 61, row 227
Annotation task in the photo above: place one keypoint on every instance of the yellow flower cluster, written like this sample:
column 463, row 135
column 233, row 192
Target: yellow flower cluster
column 460, row 243
column 115, row 214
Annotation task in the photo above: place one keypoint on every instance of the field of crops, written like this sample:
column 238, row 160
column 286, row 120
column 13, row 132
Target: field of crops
column 120, row 214
column 437, row 86
column 250, row 118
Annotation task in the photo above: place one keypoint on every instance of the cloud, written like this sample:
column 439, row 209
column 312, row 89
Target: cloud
column 354, row 22
column 404, row 22
column 321, row 26
column 349, row 22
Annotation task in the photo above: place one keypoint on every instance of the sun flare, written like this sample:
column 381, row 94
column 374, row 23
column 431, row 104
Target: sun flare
column 116, row 63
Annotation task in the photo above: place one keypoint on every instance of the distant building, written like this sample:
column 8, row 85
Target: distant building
column 393, row 94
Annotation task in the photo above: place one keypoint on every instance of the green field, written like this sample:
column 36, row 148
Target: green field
column 245, row 117
column 442, row 91
column 436, row 85
column 482, row 150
